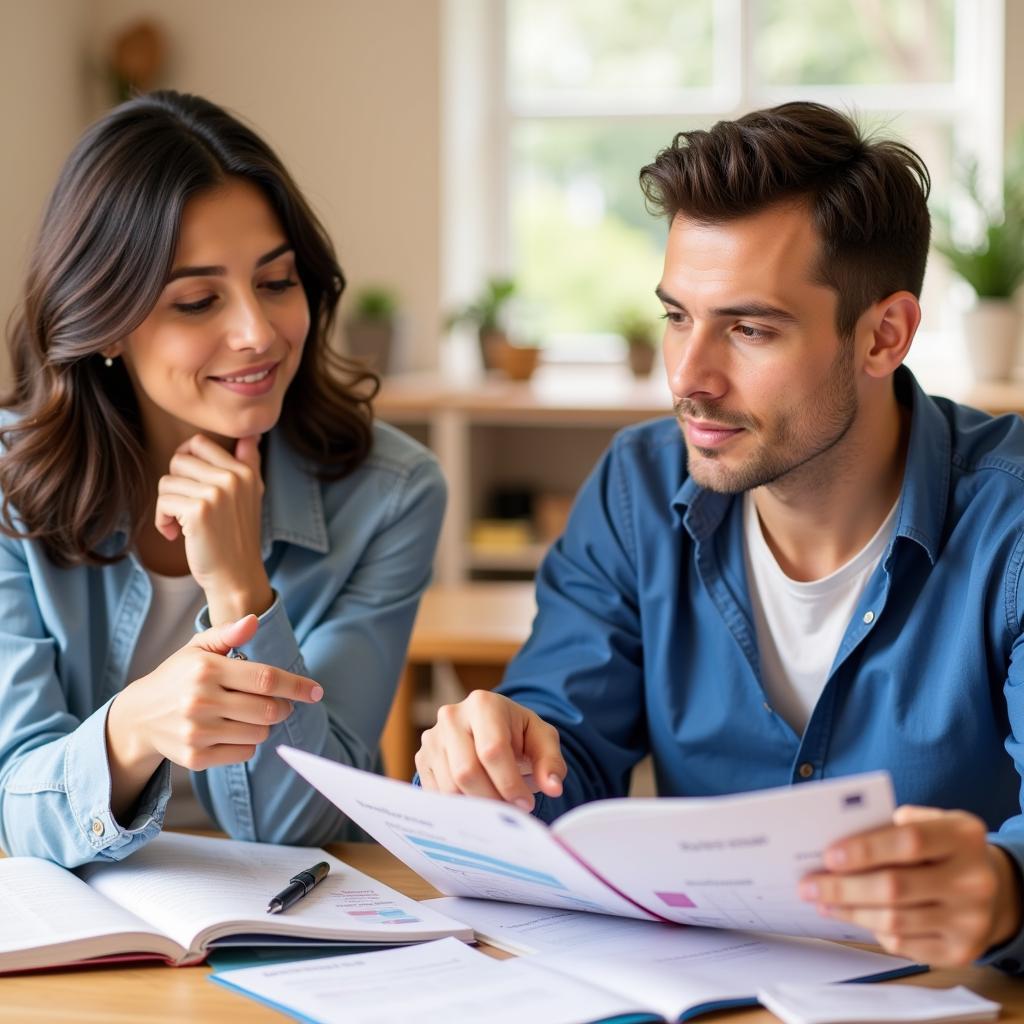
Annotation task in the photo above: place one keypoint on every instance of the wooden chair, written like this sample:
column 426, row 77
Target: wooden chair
column 474, row 627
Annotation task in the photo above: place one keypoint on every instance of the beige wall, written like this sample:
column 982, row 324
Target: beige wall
column 1014, row 70
column 347, row 91
column 42, row 73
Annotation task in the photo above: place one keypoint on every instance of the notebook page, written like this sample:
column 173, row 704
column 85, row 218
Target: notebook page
column 195, row 887
column 46, row 905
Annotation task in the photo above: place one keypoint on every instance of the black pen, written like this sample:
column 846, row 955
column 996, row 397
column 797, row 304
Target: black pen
column 298, row 886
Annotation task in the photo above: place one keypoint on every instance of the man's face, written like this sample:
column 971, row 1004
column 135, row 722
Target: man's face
column 762, row 383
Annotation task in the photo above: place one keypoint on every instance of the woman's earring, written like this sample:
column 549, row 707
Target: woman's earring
column 108, row 362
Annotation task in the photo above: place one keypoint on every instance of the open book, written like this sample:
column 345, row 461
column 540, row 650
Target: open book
column 181, row 895
column 725, row 862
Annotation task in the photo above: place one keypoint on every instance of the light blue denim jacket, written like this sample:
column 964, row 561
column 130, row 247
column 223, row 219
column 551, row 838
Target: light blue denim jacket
column 347, row 559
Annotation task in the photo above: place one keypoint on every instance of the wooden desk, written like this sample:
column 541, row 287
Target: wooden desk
column 477, row 628
column 161, row 995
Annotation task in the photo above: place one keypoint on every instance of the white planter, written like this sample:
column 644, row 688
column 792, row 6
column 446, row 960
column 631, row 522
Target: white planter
column 992, row 337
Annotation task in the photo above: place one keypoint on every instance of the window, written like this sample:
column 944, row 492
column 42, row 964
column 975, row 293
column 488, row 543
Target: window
column 587, row 91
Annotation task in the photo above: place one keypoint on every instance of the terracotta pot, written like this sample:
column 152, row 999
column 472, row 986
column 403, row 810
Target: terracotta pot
column 641, row 358
column 517, row 362
column 992, row 336
column 491, row 343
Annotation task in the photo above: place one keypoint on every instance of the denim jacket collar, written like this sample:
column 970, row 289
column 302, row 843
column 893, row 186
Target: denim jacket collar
column 293, row 507
column 926, row 480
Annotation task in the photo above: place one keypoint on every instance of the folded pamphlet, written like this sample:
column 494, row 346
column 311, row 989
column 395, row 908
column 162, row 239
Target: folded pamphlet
column 725, row 862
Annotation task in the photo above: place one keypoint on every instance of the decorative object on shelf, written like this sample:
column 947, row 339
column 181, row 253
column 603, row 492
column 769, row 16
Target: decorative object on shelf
column 550, row 515
column 136, row 59
column 371, row 328
column 640, row 336
column 994, row 267
column 487, row 314
column 516, row 360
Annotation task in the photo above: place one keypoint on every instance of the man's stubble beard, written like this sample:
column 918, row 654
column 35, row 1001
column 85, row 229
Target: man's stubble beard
column 786, row 453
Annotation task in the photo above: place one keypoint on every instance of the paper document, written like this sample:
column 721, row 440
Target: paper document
column 671, row 970
column 445, row 982
column 861, row 1004
column 729, row 862
column 440, row 982
column 181, row 896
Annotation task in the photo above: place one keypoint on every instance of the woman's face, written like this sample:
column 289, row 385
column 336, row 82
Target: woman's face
column 218, row 351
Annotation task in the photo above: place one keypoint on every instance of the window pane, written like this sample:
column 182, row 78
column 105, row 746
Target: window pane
column 585, row 250
column 608, row 48
column 855, row 42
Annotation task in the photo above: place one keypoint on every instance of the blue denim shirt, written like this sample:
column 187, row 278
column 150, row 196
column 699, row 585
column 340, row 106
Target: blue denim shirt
column 347, row 560
column 645, row 640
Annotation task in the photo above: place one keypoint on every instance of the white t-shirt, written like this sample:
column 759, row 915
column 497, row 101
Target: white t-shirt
column 801, row 625
column 169, row 625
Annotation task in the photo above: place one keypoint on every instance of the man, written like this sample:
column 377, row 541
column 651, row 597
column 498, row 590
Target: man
column 815, row 570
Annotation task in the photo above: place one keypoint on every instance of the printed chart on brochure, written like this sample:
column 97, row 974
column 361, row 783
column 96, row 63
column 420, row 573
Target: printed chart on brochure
column 730, row 907
column 495, row 878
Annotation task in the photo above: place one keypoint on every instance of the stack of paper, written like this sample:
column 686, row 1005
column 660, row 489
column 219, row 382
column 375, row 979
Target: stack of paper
column 861, row 1004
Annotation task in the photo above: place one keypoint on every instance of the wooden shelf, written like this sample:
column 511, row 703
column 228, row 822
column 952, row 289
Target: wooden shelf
column 523, row 559
column 549, row 431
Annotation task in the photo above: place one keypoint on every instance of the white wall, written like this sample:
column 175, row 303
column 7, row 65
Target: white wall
column 42, row 73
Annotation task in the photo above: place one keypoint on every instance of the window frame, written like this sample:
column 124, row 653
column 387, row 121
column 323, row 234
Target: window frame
column 477, row 206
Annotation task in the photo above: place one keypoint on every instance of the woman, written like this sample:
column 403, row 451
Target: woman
column 182, row 452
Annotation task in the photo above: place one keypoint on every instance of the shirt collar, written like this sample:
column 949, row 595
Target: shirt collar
column 293, row 507
column 926, row 478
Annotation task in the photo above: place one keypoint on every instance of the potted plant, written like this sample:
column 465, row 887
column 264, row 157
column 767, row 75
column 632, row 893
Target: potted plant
column 487, row 313
column 371, row 327
column 994, row 267
column 640, row 336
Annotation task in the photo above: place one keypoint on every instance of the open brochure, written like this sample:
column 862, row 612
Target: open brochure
column 446, row 982
column 681, row 971
column 724, row 862
column 181, row 895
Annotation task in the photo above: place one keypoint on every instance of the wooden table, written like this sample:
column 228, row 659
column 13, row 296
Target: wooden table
column 475, row 627
column 160, row 995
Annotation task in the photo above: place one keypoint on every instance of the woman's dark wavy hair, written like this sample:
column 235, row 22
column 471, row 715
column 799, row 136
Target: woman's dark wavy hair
column 868, row 197
column 73, row 466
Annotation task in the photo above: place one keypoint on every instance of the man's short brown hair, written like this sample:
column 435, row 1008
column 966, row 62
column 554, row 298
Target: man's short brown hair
column 868, row 197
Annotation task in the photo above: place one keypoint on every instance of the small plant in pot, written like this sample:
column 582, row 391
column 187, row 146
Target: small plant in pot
column 371, row 327
column 487, row 314
column 993, row 265
column 639, row 334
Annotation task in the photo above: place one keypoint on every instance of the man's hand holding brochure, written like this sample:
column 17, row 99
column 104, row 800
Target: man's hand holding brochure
column 727, row 862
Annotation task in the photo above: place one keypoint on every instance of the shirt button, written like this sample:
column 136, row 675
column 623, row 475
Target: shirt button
column 97, row 827
column 806, row 770
column 869, row 617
